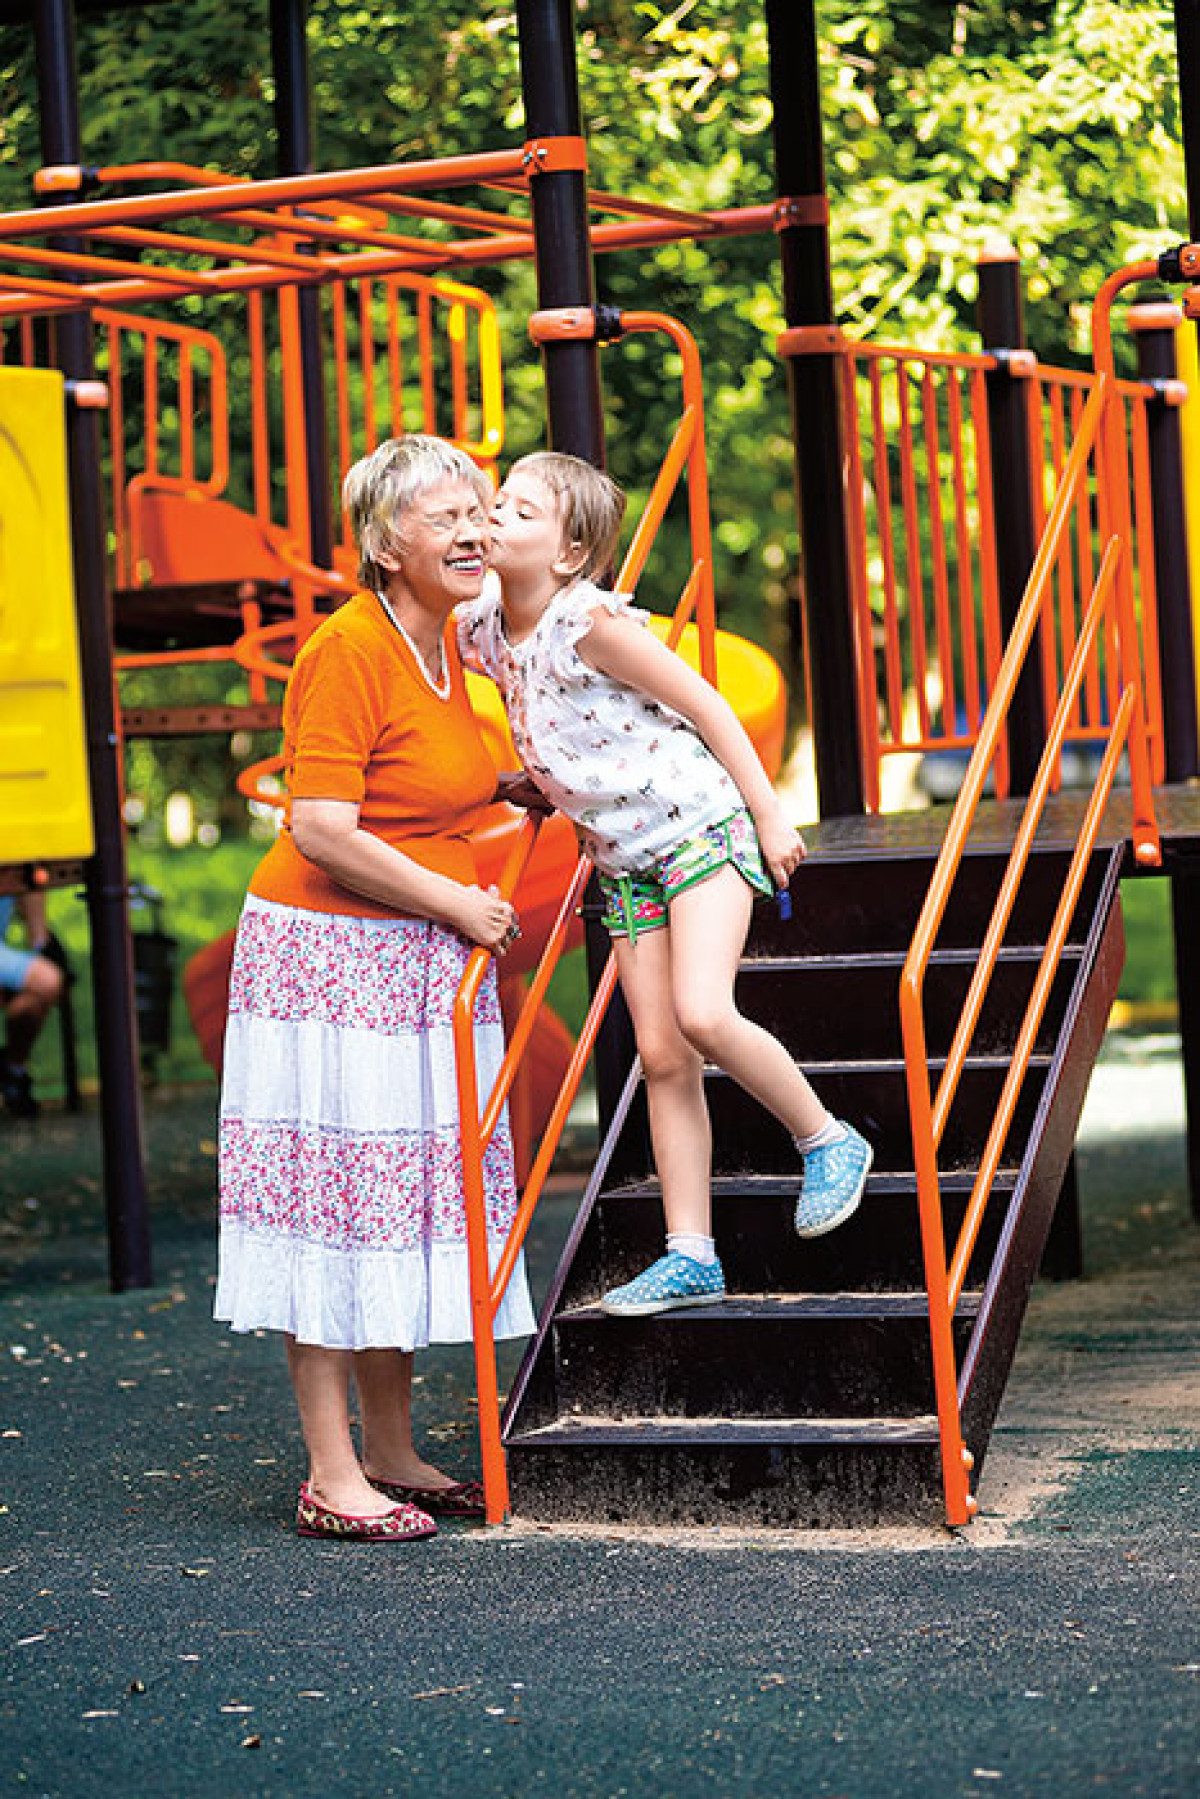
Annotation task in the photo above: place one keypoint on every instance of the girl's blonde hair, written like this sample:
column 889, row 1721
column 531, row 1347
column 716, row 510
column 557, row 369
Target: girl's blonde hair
column 380, row 487
column 590, row 505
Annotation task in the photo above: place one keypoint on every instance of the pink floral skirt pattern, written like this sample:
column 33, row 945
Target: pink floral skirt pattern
column 342, row 1219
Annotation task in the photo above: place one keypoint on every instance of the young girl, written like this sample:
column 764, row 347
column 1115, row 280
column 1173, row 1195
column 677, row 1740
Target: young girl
column 672, row 804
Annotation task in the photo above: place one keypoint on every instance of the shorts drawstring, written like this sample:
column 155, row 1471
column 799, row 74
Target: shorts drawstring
column 628, row 911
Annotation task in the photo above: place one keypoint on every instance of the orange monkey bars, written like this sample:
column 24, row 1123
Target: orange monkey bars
column 392, row 324
column 1107, row 613
column 477, row 1126
column 271, row 207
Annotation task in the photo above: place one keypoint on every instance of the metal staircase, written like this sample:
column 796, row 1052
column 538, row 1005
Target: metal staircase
column 807, row 1397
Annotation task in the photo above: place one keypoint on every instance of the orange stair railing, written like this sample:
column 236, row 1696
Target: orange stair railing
column 477, row 1124
column 1108, row 611
column 923, row 550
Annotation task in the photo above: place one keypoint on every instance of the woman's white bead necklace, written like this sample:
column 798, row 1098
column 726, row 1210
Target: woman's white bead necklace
column 440, row 685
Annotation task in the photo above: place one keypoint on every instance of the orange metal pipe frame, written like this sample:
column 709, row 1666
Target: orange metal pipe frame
column 408, row 205
column 972, row 787
column 487, row 1288
column 860, row 598
column 686, row 450
column 959, row 1503
column 46, row 297
column 945, row 1285
column 985, row 966
column 699, row 511
column 495, row 1472
column 287, row 190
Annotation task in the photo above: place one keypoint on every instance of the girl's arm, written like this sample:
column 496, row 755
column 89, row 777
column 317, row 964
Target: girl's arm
column 629, row 653
column 328, row 833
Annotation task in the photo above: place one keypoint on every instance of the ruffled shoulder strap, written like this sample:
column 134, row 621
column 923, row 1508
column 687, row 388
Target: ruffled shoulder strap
column 573, row 612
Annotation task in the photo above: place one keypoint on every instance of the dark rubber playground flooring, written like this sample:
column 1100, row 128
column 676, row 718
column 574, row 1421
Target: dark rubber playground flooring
column 162, row 1630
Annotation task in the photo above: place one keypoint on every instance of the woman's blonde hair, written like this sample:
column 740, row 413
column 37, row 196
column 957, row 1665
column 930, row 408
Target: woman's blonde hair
column 590, row 505
column 384, row 484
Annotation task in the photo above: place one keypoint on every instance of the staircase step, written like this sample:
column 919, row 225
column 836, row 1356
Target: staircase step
column 840, row 904
column 766, row 1356
column 847, row 1007
column 763, row 1308
column 873, row 1096
column 585, row 1433
column 779, row 1473
column 879, row 1249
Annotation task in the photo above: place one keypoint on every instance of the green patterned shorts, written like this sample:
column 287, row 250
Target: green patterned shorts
column 638, row 902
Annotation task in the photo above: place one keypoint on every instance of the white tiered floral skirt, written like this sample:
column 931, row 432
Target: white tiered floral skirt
column 342, row 1217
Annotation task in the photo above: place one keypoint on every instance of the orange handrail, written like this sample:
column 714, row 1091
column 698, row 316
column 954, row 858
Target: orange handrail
column 477, row 1124
column 923, row 554
column 1110, row 605
column 687, row 450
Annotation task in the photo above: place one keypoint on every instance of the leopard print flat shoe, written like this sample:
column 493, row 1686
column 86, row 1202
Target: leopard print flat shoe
column 404, row 1523
column 463, row 1500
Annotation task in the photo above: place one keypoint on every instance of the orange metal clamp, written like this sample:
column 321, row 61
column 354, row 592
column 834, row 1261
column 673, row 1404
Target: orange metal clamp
column 551, row 155
column 59, row 178
column 801, row 209
column 89, row 396
column 811, row 340
column 563, row 324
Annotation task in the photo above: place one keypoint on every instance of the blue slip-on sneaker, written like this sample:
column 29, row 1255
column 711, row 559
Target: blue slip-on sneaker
column 834, row 1179
column 672, row 1281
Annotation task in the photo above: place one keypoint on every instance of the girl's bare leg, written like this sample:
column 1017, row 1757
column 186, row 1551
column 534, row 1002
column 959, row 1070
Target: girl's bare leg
column 321, row 1381
column 384, row 1381
column 674, row 1073
column 708, row 930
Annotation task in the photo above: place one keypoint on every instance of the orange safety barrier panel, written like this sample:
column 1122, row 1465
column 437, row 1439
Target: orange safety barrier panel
column 923, row 561
column 1107, row 613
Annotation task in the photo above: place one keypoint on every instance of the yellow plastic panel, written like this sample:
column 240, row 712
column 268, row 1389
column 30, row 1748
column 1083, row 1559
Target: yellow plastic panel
column 1189, row 368
column 45, row 806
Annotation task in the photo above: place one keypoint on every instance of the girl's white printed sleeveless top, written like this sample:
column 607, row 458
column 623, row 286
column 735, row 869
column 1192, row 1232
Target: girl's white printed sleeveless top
column 633, row 776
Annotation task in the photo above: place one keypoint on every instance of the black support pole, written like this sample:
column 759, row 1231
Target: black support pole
column 814, row 387
column 562, row 241
column 1187, row 44
column 562, row 251
column 106, row 877
column 1002, row 329
column 295, row 156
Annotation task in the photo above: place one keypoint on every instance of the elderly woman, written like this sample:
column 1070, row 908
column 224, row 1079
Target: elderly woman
column 342, row 1219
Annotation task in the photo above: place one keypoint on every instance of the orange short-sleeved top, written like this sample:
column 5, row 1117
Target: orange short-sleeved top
column 361, row 722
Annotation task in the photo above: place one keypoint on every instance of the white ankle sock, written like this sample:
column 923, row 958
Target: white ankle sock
column 691, row 1244
column 832, row 1131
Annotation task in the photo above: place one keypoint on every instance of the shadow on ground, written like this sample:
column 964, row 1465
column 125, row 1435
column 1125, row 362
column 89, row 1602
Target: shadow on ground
column 162, row 1630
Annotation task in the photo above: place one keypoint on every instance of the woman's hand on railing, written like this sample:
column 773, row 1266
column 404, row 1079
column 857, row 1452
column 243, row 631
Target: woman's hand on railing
column 486, row 919
column 516, row 788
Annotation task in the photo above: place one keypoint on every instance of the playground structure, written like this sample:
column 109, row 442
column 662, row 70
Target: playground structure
column 985, row 572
